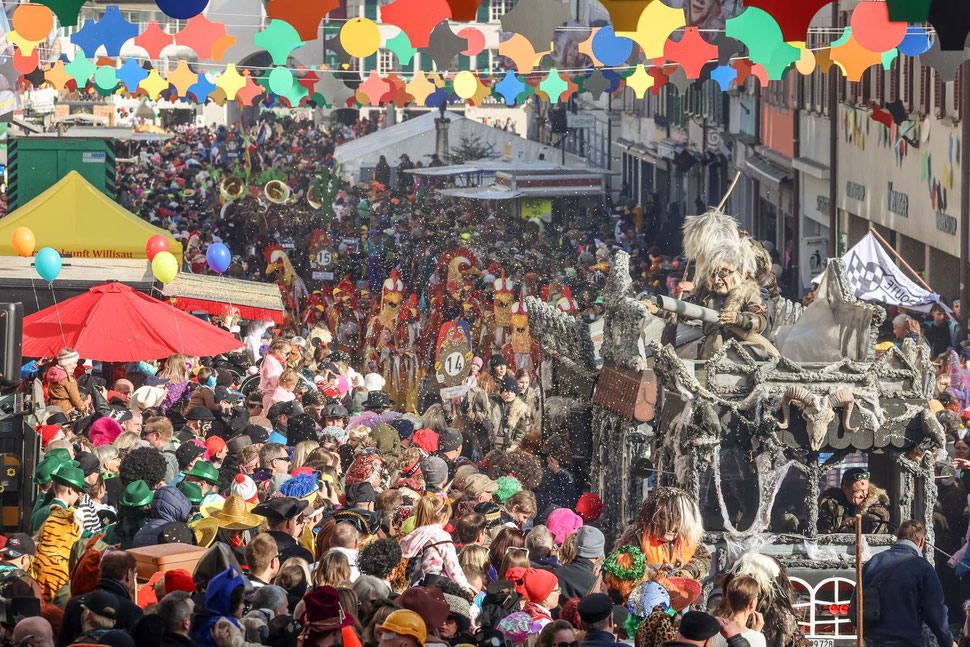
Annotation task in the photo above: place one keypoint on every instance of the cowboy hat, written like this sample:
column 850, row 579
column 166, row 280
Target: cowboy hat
column 205, row 530
column 233, row 514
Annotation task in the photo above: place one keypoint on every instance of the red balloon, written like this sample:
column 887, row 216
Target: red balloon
column 156, row 244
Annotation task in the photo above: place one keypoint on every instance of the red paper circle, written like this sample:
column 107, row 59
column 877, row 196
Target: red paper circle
column 26, row 64
column 475, row 38
column 873, row 29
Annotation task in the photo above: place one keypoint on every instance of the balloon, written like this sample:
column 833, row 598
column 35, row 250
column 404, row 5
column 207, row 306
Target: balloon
column 156, row 244
column 23, row 240
column 48, row 264
column 165, row 267
column 218, row 257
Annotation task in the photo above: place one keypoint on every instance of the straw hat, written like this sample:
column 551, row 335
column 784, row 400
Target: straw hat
column 233, row 514
column 205, row 530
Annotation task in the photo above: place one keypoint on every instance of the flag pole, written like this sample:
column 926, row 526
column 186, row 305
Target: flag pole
column 899, row 258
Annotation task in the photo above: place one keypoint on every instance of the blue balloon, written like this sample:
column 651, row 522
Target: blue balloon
column 48, row 264
column 218, row 257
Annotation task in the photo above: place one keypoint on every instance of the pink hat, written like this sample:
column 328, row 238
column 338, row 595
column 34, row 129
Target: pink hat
column 478, row 362
column 342, row 385
column 563, row 522
column 104, row 431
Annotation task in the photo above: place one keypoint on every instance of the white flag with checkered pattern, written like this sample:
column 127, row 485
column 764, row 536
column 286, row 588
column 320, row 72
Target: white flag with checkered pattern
column 873, row 276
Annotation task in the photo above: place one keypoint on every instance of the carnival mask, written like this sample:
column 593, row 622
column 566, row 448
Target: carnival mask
column 725, row 279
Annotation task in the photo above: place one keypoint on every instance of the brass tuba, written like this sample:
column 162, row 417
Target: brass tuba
column 277, row 192
column 314, row 196
column 232, row 188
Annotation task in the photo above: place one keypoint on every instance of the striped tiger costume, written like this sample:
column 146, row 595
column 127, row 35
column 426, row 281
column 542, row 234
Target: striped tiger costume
column 54, row 541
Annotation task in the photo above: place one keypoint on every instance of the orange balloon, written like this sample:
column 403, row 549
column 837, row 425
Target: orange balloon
column 23, row 241
column 33, row 21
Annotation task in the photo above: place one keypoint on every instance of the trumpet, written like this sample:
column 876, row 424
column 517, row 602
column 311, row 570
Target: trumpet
column 277, row 192
column 314, row 197
column 232, row 188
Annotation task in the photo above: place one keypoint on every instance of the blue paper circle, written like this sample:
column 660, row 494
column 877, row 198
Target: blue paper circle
column 610, row 49
column 915, row 42
column 182, row 9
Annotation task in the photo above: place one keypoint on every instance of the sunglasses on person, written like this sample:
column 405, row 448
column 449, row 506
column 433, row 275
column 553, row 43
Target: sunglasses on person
column 255, row 405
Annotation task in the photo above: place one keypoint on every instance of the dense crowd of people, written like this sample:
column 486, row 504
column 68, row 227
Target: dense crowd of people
column 313, row 488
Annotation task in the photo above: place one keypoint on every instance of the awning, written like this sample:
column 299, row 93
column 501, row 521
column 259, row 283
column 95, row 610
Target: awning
column 625, row 143
column 219, row 296
column 482, row 193
column 767, row 170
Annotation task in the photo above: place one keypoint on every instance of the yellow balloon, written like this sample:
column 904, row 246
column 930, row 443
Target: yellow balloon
column 465, row 84
column 165, row 267
column 360, row 37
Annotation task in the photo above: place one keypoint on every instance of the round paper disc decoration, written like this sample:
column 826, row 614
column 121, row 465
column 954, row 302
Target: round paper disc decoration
column 33, row 22
column 182, row 9
column 476, row 40
column 873, row 29
column 465, row 84
column 280, row 81
column 360, row 37
column 106, row 77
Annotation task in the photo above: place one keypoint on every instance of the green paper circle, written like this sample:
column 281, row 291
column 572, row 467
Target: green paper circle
column 106, row 77
column 280, row 81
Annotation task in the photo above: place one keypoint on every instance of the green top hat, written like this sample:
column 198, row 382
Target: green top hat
column 67, row 474
column 205, row 471
column 192, row 492
column 61, row 454
column 137, row 494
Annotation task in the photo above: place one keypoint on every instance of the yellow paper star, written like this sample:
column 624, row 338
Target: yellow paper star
column 231, row 81
column 182, row 78
column 420, row 87
column 26, row 46
column 656, row 23
column 153, row 84
column 639, row 81
column 57, row 75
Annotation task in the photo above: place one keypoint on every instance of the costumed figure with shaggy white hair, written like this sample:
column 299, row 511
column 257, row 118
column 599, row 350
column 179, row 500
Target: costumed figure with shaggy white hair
column 668, row 532
column 776, row 598
column 726, row 266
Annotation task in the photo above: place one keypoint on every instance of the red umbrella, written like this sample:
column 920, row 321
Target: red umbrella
column 115, row 323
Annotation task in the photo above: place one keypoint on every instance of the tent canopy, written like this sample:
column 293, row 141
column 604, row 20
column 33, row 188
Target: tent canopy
column 416, row 137
column 75, row 218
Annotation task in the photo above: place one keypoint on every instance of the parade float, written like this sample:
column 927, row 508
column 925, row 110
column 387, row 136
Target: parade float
column 756, row 429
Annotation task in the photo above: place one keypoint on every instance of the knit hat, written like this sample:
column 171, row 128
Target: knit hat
column 49, row 433
column 179, row 579
column 67, row 356
column 188, row 452
column 563, row 522
column 245, row 487
column 538, row 584
column 590, row 542
column 435, row 470
column 517, row 627
column 589, row 507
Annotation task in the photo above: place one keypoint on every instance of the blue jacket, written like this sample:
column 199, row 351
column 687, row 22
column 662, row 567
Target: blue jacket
column 218, row 596
column 910, row 597
column 596, row 638
column 168, row 505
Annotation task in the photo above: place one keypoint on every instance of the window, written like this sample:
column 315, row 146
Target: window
column 939, row 95
column 924, row 89
column 499, row 8
column 385, row 61
column 894, row 79
column 908, row 73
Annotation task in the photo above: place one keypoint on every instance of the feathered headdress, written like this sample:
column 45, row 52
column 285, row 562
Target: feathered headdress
column 566, row 303
column 272, row 253
column 502, row 285
column 393, row 284
column 713, row 239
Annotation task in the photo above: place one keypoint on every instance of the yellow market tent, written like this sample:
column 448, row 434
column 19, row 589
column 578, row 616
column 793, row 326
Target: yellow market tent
column 75, row 218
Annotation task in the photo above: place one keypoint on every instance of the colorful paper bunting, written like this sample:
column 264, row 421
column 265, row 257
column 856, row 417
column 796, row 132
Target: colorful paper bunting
column 691, row 51
column 656, row 24
column 303, row 15
column 279, row 39
column 66, row 11
column 639, row 81
column 417, row 18
column 475, row 40
column 723, row 75
column 873, row 29
column 131, row 75
column 33, row 22
column 509, row 87
column 182, row 9
column 81, row 69
column 182, row 78
column 610, row 49
column 520, row 51
column 444, row 45
column 230, row 82
column 464, row 10
column 537, row 20
column 360, row 37
column 793, row 16
column 153, row 40
column 201, row 35
column 401, row 47
column 153, row 84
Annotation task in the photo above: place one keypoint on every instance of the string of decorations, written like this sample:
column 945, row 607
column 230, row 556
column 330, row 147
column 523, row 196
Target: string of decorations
column 647, row 46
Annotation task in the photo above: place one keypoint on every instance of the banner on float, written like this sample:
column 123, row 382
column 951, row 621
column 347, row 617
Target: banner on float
column 873, row 276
